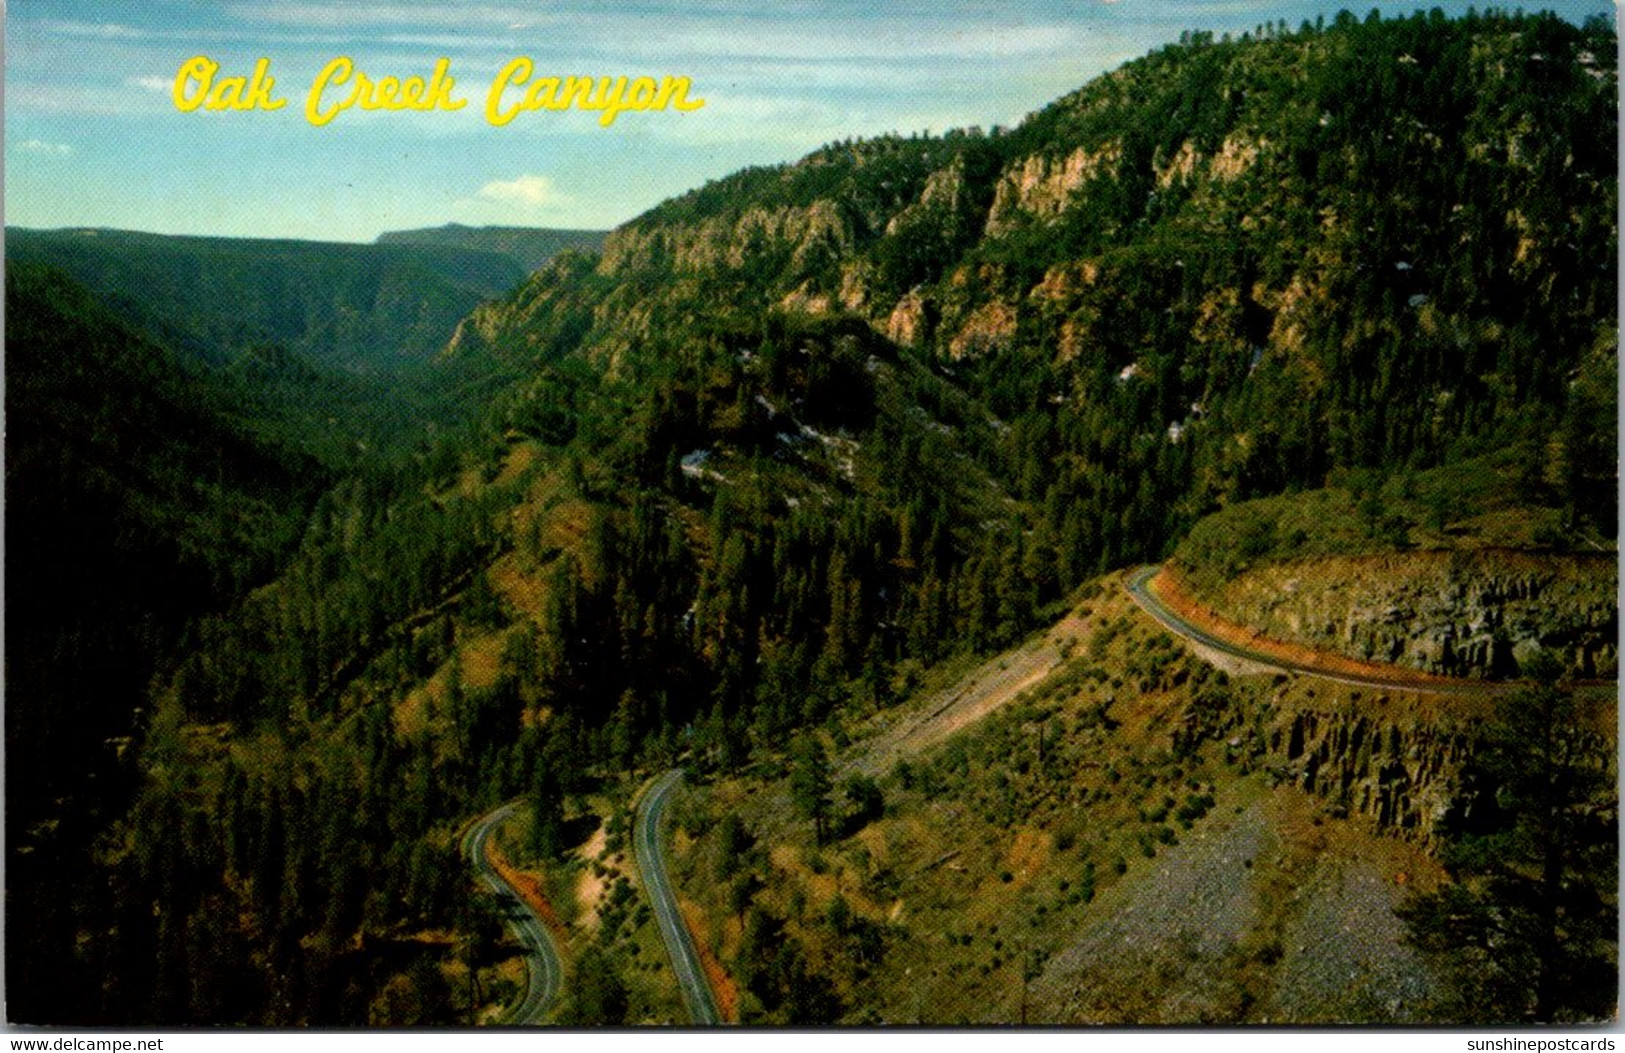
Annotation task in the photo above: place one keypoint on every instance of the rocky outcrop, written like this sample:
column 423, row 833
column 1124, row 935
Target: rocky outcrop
column 1411, row 775
column 1064, row 282
column 1405, row 776
column 1478, row 613
column 813, row 235
column 1041, row 187
column 944, row 195
column 1235, row 156
column 1401, row 770
column 1178, row 167
column 991, row 327
column 912, row 321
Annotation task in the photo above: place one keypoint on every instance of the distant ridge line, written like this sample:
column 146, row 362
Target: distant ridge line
column 529, row 247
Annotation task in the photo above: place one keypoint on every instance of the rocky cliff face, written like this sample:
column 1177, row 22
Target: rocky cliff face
column 1041, row 187
column 1409, row 772
column 1218, row 273
column 1401, row 766
column 1405, row 775
column 1474, row 613
column 816, row 233
column 1190, row 147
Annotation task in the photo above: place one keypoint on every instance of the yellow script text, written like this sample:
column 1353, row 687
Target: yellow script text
column 195, row 86
column 386, row 93
column 610, row 96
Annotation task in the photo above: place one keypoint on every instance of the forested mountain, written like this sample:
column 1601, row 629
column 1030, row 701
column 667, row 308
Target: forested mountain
column 135, row 501
column 134, row 496
column 800, row 433
column 529, row 247
column 329, row 346
column 163, row 454
column 1219, row 272
column 366, row 308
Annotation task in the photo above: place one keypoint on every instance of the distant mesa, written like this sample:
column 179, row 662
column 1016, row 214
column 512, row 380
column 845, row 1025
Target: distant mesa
column 530, row 247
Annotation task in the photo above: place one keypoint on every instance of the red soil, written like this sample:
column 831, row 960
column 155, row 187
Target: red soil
column 1173, row 595
column 528, row 886
column 723, row 987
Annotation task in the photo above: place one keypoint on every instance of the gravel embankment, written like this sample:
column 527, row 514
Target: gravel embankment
column 1151, row 956
column 1346, row 958
column 1235, row 924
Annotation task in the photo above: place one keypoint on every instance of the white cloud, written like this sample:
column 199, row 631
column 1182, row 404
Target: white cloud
column 79, row 100
column 530, row 191
column 883, row 41
column 451, row 42
column 528, row 198
column 39, row 146
column 733, row 32
column 155, row 84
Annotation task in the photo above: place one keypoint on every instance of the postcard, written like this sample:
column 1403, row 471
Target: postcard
column 686, row 515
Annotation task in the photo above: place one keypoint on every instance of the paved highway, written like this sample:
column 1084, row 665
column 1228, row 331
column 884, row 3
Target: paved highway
column 651, row 859
column 1139, row 587
column 543, row 972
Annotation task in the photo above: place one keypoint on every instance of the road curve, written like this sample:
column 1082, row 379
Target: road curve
column 543, row 972
column 1139, row 588
column 651, row 861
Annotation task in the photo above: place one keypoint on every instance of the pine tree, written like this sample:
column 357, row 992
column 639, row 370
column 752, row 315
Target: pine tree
column 1530, row 925
column 810, row 783
column 598, row 994
column 547, row 814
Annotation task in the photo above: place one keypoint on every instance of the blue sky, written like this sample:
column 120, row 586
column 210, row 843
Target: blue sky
column 93, row 139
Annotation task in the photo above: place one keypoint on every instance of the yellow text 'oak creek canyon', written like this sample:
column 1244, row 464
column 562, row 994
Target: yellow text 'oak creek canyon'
column 341, row 86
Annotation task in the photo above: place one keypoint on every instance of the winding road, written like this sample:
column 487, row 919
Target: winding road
column 542, row 969
column 1139, row 588
column 651, row 860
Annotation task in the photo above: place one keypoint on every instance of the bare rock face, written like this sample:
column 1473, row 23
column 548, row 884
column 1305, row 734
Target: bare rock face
column 812, row 235
column 1063, row 282
column 912, row 321
column 1405, row 776
column 805, row 299
column 1041, row 186
column 1410, row 776
column 1400, row 770
column 990, row 328
column 1235, row 157
column 944, row 194
column 1470, row 613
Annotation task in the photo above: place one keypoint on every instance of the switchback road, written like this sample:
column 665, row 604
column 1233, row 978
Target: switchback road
column 1141, row 590
column 542, row 969
column 651, row 860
